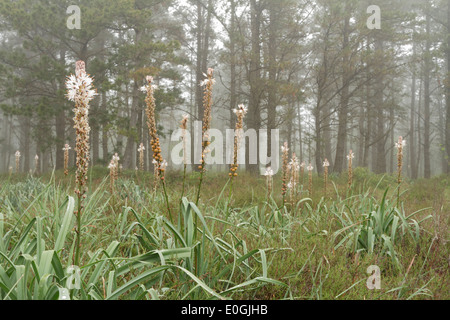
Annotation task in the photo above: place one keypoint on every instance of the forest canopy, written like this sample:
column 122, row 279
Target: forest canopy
column 331, row 76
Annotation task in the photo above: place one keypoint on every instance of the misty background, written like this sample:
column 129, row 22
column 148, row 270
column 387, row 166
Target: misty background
column 311, row 68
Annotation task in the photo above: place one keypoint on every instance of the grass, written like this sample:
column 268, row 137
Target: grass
column 320, row 248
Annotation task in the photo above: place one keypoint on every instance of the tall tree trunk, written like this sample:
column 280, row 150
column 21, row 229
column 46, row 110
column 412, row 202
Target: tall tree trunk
column 419, row 126
column 233, row 80
column 25, row 143
column 317, row 136
column 207, row 36
column 327, row 135
column 392, row 138
column 272, row 66
column 441, row 130
column 140, row 128
column 380, row 151
column 199, row 75
column 3, row 141
column 300, row 133
column 343, row 105
column 427, row 100
column 104, row 131
column 361, row 132
column 60, row 122
column 254, row 77
column 368, row 114
column 198, row 70
column 290, row 119
column 412, row 128
column 130, row 148
column 447, row 91
column 128, row 160
column 412, row 124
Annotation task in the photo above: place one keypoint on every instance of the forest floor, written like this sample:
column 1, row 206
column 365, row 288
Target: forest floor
column 315, row 247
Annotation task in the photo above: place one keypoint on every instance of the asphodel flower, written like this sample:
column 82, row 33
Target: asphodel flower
column 141, row 156
column 294, row 167
column 400, row 145
column 184, row 124
column 80, row 90
column 302, row 170
column 36, row 163
column 17, row 155
column 116, row 160
column 66, row 159
column 326, row 164
column 350, row 158
column 112, row 174
column 240, row 112
column 153, row 130
column 208, row 83
column 269, row 182
column 285, row 169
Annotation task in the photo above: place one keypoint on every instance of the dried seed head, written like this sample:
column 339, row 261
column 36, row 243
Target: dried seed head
column 400, row 145
column 80, row 90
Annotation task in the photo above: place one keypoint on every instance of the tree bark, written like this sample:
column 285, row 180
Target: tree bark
column 128, row 161
column 427, row 101
column 412, row 124
column 254, row 77
column 60, row 123
column 380, row 151
column 447, row 91
column 343, row 105
column 272, row 66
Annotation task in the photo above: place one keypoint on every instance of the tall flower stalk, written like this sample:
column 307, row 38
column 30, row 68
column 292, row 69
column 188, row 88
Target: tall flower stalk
column 350, row 158
column 184, row 125
column 80, row 90
column 112, row 175
column 141, row 156
column 285, row 171
column 240, row 112
column 66, row 159
column 158, row 161
column 17, row 155
column 269, row 182
column 36, row 164
column 208, row 85
column 399, row 145
column 294, row 167
column 116, row 160
column 326, row 164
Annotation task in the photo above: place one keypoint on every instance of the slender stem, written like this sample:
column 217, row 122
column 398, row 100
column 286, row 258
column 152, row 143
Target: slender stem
column 184, row 182
column 231, row 191
column 199, row 186
column 78, row 240
column 167, row 200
